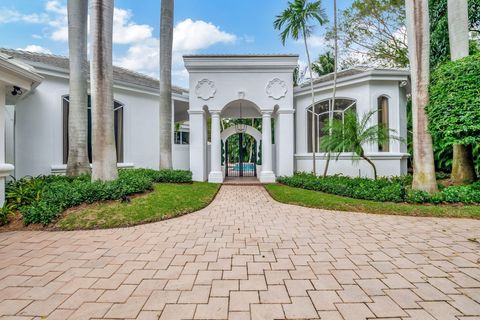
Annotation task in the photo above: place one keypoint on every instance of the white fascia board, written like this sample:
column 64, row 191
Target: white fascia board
column 370, row 75
column 195, row 64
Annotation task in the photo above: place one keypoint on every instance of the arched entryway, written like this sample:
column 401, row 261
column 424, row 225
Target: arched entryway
column 245, row 87
column 241, row 152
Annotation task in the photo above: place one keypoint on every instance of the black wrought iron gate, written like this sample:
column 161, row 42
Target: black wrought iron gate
column 240, row 156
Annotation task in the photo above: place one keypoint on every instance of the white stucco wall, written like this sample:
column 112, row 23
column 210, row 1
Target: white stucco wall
column 365, row 90
column 39, row 129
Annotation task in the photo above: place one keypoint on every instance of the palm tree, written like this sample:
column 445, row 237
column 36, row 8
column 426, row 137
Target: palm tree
column 324, row 64
column 335, row 75
column 166, row 47
column 78, row 162
column 294, row 22
column 104, row 166
column 463, row 168
column 351, row 134
column 418, row 31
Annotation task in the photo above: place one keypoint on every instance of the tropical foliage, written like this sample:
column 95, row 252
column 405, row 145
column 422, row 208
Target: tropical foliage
column 383, row 189
column 296, row 22
column 43, row 199
column 373, row 31
column 324, row 64
column 351, row 134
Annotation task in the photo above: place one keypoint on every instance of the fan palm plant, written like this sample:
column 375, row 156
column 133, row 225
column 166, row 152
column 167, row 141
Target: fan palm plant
column 296, row 22
column 350, row 134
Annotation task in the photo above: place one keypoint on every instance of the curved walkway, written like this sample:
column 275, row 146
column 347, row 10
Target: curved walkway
column 248, row 257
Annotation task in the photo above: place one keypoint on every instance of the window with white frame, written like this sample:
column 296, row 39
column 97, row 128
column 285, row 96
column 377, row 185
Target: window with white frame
column 322, row 113
column 118, row 121
column 382, row 112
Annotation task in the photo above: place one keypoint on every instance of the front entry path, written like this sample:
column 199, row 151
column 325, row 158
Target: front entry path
column 248, row 257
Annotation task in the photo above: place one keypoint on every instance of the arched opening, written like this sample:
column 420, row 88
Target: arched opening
column 383, row 123
column 322, row 113
column 118, row 122
column 240, row 155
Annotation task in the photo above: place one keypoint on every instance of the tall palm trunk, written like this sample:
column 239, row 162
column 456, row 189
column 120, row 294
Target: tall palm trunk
column 78, row 162
column 463, row 169
column 418, row 30
column 103, row 137
column 335, row 75
column 166, row 47
column 314, row 167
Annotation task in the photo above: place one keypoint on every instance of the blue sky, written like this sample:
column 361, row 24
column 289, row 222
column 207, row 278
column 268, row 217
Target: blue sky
column 202, row 26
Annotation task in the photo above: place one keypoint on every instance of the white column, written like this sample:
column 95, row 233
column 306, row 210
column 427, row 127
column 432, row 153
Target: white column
column 285, row 143
column 5, row 169
column 267, row 175
column 197, row 145
column 216, row 175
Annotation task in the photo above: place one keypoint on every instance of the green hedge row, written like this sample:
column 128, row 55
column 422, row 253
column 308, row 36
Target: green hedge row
column 383, row 189
column 43, row 199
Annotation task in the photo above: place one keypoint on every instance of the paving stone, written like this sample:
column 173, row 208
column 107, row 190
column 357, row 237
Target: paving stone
column 247, row 257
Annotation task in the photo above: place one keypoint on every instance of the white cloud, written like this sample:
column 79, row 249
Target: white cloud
column 11, row 16
column 188, row 37
column 125, row 31
column 192, row 35
column 35, row 48
column 317, row 41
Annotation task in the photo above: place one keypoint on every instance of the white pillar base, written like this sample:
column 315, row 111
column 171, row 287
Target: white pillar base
column 267, row 177
column 215, row 177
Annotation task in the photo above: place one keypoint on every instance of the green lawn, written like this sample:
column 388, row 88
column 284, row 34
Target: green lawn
column 314, row 199
column 166, row 201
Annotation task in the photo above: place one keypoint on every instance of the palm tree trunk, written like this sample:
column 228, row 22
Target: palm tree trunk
column 314, row 167
column 371, row 163
column 463, row 169
column 78, row 162
column 418, row 31
column 104, row 165
column 335, row 75
column 166, row 47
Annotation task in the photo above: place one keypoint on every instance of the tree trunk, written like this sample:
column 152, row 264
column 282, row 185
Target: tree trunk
column 335, row 74
column 418, row 30
column 166, row 47
column 314, row 167
column 104, row 165
column 463, row 169
column 372, row 164
column 78, row 162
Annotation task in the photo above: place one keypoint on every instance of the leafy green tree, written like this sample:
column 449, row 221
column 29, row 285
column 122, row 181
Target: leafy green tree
column 352, row 133
column 296, row 22
column 440, row 48
column 454, row 113
column 324, row 64
column 374, row 30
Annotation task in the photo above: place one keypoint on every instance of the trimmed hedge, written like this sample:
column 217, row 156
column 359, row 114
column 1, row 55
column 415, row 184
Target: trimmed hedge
column 383, row 189
column 43, row 199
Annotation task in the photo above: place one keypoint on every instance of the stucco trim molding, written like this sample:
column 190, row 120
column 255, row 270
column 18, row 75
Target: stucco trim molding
column 205, row 89
column 276, row 89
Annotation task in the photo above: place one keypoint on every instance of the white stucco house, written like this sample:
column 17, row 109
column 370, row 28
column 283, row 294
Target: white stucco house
column 220, row 87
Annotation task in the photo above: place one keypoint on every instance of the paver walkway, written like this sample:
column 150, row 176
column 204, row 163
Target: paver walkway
column 248, row 257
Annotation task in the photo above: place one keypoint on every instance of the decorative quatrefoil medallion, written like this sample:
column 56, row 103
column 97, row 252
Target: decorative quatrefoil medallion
column 205, row 89
column 276, row 89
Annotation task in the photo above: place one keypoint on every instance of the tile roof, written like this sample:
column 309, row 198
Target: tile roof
column 119, row 74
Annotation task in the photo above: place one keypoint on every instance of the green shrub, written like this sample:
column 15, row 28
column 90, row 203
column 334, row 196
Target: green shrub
column 43, row 199
column 384, row 189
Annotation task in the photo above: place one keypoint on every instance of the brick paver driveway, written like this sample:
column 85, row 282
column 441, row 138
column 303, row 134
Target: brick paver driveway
column 244, row 257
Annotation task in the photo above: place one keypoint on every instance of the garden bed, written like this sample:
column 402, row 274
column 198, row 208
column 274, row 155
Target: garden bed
column 321, row 200
column 384, row 189
column 42, row 200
